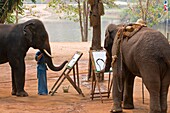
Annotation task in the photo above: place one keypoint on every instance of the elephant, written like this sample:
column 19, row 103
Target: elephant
column 15, row 40
column 147, row 55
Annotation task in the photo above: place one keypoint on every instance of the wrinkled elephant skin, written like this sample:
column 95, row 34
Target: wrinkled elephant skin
column 147, row 55
column 15, row 40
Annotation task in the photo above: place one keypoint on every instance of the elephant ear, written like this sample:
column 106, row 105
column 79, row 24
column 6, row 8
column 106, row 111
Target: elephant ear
column 28, row 31
column 108, row 37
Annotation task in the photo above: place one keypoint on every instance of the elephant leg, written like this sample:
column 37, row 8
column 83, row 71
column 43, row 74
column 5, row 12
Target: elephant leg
column 152, row 82
column 20, row 82
column 128, row 91
column 18, row 78
column 164, row 92
column 117, row 97
column 14, row 89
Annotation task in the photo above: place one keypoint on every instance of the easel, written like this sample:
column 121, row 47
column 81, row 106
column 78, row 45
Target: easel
column 72, row 65
column 95, row 56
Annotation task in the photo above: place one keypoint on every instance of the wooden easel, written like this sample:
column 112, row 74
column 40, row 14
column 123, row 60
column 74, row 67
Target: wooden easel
column 95, row 56
column 72, row 65
column 95, row 80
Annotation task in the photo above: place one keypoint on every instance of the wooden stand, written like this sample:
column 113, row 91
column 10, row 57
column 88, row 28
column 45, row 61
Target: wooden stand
column 72, row 65
column 96, row 74
column 95, row 56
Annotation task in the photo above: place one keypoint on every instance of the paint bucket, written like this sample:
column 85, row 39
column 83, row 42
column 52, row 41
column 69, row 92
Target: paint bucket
column 65, row 89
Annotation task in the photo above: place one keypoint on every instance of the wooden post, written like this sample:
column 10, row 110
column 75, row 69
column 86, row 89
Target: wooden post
column 95, row 22
column 96, row 40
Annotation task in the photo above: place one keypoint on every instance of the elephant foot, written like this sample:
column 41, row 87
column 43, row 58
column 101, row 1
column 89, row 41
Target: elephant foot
column 13, row 92
column 22, row 94
column 128, row 106
column 157, row 112
column 116, row 108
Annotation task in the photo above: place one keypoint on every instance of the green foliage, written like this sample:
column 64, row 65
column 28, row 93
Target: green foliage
column 10, row 18
column 154, row 13
column 34, row 1
column 77, row 11
column 65, row 10
column 14, row 6
column 109, row 3
column 69, row 10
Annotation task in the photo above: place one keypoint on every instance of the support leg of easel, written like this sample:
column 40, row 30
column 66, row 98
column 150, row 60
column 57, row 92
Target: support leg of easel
column 97, row 82
column 78, row 82
column 74, row 85
column 89, row 68
column 93, row 85
column 56, row 82
column 108, row 86
column 92, row 88
column 74, row 77
column 57, row 86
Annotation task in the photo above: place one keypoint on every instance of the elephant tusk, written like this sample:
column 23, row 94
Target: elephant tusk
column 47, row 53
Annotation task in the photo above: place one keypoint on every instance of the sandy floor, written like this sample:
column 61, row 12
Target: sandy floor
column 70, row 102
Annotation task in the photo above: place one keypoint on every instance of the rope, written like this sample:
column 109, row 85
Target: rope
column 121, row 37
column 120, row 86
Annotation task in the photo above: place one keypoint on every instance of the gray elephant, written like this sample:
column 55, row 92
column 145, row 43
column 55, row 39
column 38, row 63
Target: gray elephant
column 15, row 40
column 145, row 54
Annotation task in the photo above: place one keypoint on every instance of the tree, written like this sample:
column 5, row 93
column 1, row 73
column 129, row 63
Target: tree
column 8, row 7
column 97, row 10
column 77, row 11
column 150, row 11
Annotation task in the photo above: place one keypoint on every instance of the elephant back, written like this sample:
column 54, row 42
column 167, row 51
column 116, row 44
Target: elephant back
column 131, row 29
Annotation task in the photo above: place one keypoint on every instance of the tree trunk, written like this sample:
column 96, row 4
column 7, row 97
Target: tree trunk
column 146, row 14
column 80, row 20
column 85, row 20
column 16, row 16
column 7, row 6
column 2, row 10
column 96, row 40
column 144, row 10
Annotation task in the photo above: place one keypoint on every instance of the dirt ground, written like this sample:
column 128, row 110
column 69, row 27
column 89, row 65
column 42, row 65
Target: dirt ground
column 60, row 102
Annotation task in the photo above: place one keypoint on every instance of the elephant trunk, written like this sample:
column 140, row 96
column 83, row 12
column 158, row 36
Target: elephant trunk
column 108, row 62
column 117, row 60
column 48, row 60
